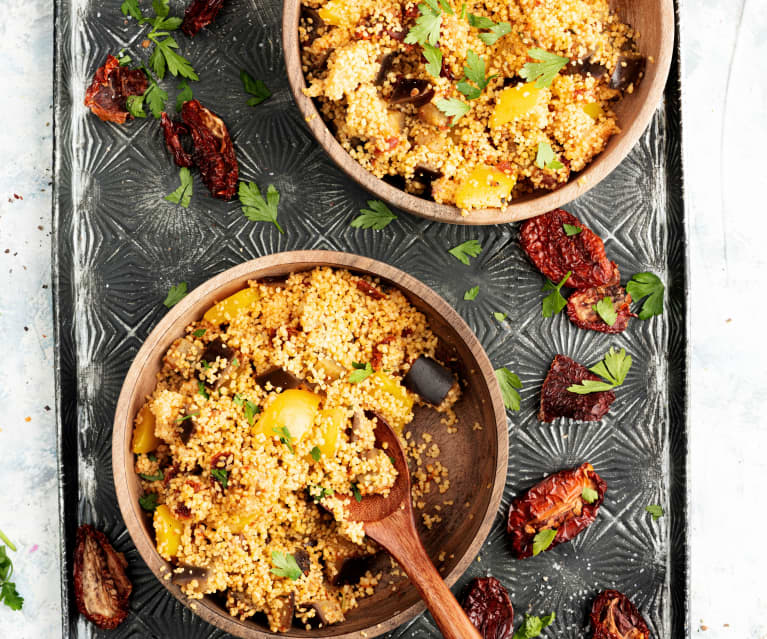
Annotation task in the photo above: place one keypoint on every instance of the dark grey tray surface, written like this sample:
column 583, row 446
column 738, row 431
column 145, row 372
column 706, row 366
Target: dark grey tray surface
column 119, row 246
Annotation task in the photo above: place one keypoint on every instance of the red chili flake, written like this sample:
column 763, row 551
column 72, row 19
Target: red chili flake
column 557, row 401
column 613, row 616
column 111, row 86
column 102, row 588
column 555, row 253
column 554, row 503
column 199, row 14
column 370, row 290
column 489, row 608
column 18, row 197
column 580, row 308
column 377, row 356
column 213, row 153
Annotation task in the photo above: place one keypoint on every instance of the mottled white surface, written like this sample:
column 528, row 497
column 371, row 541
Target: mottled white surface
column 725, row 134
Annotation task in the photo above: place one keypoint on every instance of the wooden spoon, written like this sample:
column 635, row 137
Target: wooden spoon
column 389, row 521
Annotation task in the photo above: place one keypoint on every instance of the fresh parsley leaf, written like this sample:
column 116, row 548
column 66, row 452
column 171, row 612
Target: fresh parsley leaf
column 543, row 539
column 318, row 493
column 175, row 295
column 316, row 453
column 164, row 55
column 251, row 410
column 356, row 492
column 496, row 32
column 148, row 502
column 463, row 11
column 10, row 596
column 480, row 22
column 446, row 7
column 361, row 372
column 427, row 25
column 238, row 399
column 614, row 368
column 509, row 383
column 656, row 511
column 499, row 316
column 285, row 565
column 3, row 556
column 589, row 495
column 471, row 293
column 161, row 8
column 199, row 332
column 134, row 104
column 221, row 475
column 256, row 88
column 124, row 58
column 202, row 390
column 647, row 285
column 532, row 626
column 554, row 302
column 453, row 107
column 475, row 72
column 546, row 158
column 433, row 59
column 158, row 476
column 466, row 250
column 571, row 229
column 183, row 194
column 156, row 99
column 377, row 217
column 543, row 71
column 131, row 8
column 185, row 94
column 285, row 437
column 606, row 310
column 255, row 207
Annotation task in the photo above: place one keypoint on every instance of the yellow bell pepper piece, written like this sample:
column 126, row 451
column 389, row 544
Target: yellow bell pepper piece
column 390, row 385
column 332, row 422
column 513, row 103
column 144, row 439
column 333, row 12
column 593, row 109
column 485, row 187
column 167, row 532
column 232, row 306
column 238, row 523
column 293, row 409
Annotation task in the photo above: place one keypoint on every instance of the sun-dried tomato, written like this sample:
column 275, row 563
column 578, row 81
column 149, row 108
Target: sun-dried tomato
column 555, row 253
column 101, row 585
column 557, row 401
column 199, row 14
column 613, row 616
column 212, row 154
column 377, row 357
column 489, row 608
column 555, row 503
column 370, row 290
column 111, row 86
column 580, row 308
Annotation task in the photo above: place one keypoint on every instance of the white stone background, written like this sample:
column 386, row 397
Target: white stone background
column 725, row 135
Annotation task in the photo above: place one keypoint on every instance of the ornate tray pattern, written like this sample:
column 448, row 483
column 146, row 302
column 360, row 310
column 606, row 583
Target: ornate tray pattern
column 119, row 246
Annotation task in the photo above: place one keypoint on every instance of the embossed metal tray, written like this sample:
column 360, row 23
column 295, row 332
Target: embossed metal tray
column 119, row 246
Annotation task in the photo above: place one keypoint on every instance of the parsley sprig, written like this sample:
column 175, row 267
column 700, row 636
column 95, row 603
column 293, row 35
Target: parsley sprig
column 546, row 158
column 571, row 229
column 647, row 285
column 8, row 593
column 255, row 207
column 256, row 88
column 471, row 294
column 614, row 368
column 433, row 59
column 474, row 71
column 453, row 107
column 532, row 626
column 554, row 302
column 427, row 25
column 510, row 385
column 543, row 540
column 377, row 217
column 285, row 437
column 495, row 30
column 361, row 372
column 175, row 294
column 589, row 495
column 221, row 475
column 466, row 250
column 285, row 565
column 183, row 194
column 543, row 71
column 606, row 310
column 655, row 511
column 184, row 95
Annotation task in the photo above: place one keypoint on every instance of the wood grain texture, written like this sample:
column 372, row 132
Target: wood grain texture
column 482, row 484
column 653, row 19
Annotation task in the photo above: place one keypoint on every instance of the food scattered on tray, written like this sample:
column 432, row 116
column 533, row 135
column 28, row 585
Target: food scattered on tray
column 260, row 430
column 488, row 606
column 471, row 104
column 9, row 596
column 112, row 85
column 613, row 616
column 555, row 510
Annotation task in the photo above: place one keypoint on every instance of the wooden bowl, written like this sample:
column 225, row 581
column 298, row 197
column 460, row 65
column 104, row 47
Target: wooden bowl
column 654, row 19
column 477, row 459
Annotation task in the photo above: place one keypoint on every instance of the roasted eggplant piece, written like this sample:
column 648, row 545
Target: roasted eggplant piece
column 428, row 379
column 185, row 574
column 628, row 72
column 411, row 91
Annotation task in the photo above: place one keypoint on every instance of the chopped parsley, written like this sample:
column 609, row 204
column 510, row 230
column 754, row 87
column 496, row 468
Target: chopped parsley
column 134, row 104
column 255, row 207
column 185, row 94
column 466, row 250
column 543, row 539
column 158, row 476
column 571, row 229
column 361, row 372
column 471, row 293
column 148, row 502
column 202, row 390
column 256, row 88
column 318, row 493
column 433, row 59
column 185, row 417
column 285, row 565
column 546, row 158
column 496, row 30
column 8, row 593
column 647, row 285
column 221, row 475
column 532, row 626
column 199, row 332
column 356, row 492
column 606, row 310
column 183, row 194
column 156, row 98
column 175, row 295
column 377, row 217
column 589, row 495
column 453, row 107
column 614, row 368
column 316, row 453
column 656, row 511
column 251, row 410
column 475, row 72
column 509, row 383
column 543, row 71
column 238, row 399
column 285, row 437
column 499, row 316
column 554, row 302
column 427, row 25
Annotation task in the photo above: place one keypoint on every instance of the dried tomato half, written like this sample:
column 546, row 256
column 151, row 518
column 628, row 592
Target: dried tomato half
column 111, row 86
column 370, row 290
column 212, row 153
column 557, row 401
column 555, row 503
column 613, row 616
column 199, row 14
column 489, row 608
column 555, row 253
column 580, row 308
column 101, row 586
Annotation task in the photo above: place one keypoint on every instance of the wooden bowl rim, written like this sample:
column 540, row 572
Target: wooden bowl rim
column 122, row 456
column 525, row 208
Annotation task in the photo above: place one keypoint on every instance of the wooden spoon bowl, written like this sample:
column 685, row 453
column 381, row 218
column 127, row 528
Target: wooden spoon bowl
column 476, row 459
column 653, row 19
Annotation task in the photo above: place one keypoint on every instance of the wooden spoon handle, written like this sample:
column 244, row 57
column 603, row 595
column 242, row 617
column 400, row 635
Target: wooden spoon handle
column 398, row 535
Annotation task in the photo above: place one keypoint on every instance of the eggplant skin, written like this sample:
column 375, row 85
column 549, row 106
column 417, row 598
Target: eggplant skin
column 429, row 379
